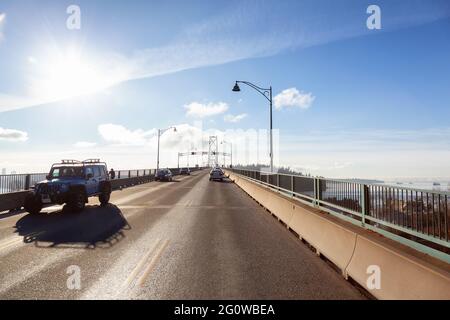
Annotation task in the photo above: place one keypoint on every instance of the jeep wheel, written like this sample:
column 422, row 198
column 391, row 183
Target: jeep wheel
column 32, row 204
column 105, row 195
column 77, row 201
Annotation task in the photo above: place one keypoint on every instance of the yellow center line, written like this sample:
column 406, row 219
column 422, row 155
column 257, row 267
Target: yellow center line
column 9, row 242
column 141, row 263
column 152, row 263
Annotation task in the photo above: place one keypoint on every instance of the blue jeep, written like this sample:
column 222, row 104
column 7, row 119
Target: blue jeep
column 71, row 182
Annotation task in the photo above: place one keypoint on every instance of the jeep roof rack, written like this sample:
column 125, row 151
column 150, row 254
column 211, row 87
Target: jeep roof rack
column 91, row 161
column 69, row 161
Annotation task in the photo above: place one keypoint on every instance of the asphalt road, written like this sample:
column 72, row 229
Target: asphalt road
column 187, row 239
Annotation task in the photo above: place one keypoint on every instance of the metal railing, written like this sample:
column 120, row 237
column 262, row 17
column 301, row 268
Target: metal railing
column 121, row 174
column 414, row 215
column 19, row 182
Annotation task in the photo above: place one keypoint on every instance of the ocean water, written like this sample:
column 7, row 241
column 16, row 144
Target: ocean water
column 424, row 185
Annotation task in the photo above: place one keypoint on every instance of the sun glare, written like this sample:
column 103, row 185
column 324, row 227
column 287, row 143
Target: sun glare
column 66, row 75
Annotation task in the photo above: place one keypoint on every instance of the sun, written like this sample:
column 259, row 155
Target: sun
column 65, row 74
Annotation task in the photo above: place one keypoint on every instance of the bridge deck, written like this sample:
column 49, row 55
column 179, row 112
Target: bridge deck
column 188, row 239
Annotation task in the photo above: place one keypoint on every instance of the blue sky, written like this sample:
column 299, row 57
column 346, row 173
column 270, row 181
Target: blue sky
column 354, row 102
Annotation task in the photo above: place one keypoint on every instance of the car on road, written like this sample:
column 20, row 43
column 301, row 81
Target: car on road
column 71, row 182
column 185, row 171
column 216, row 174
column 164, row 175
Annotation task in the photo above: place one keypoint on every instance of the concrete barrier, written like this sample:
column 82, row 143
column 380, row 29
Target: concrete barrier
column 12, row 201
column 126, row 182
column 329, row 238
column 405, row 273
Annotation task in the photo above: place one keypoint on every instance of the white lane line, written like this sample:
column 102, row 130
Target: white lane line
column 52, row 208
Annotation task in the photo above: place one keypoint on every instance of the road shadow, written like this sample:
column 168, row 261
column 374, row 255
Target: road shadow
column 94, row 227
column 225, row 180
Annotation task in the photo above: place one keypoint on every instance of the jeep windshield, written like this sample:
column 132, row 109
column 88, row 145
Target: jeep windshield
column 67, row 172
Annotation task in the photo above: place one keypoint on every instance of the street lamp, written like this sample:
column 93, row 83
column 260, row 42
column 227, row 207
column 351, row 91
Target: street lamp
column 160, row 133
column 231, row 154
column 267, row 93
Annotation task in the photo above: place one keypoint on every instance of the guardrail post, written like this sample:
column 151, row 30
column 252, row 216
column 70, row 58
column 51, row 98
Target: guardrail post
column 292, row 185
column 129, row 173
column 27, row 182
column 364, row 200
column 316, row 192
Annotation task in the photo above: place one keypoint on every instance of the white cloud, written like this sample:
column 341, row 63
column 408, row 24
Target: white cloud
column 2, row 23
column 293, row 98
column 234, row 119
column 200, row 110
column 13, row 135
column 119, row 135
column 84, row 144
column 186, row 137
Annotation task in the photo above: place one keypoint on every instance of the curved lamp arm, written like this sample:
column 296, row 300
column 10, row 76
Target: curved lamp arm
column 265, row 92
column 161, row 131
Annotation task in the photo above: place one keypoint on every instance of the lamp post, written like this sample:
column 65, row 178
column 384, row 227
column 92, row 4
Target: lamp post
column 160, row 133
column 267, row 93
column 231, row 153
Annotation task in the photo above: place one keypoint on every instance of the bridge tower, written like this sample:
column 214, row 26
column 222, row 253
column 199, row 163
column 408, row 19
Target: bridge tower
column 213, row 152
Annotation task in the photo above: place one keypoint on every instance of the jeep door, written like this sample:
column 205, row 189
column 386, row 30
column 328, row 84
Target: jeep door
column 91, row 181
column 100, row 174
